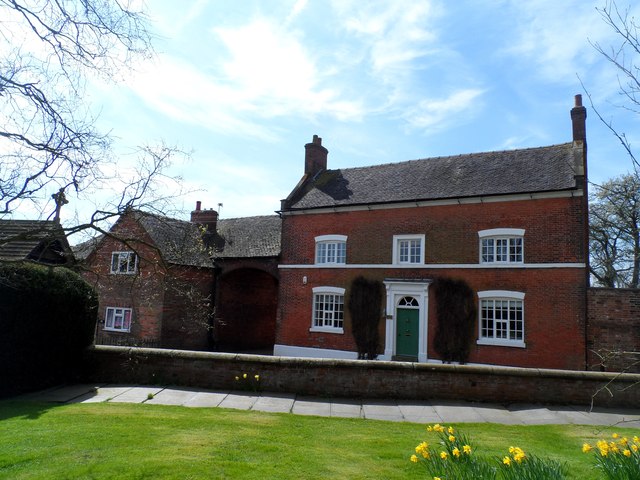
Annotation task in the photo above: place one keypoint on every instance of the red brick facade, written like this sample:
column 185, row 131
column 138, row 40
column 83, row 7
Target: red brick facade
column 556, row 291
column 168, row 302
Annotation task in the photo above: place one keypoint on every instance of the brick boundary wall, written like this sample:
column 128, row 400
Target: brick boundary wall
column 361, row 378
column 613, row 332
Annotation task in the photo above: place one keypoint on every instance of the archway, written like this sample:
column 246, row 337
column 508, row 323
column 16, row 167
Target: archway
column 245, row 316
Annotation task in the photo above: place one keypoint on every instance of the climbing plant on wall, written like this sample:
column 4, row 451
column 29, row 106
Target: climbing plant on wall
column 365, row 303
column 456, row 313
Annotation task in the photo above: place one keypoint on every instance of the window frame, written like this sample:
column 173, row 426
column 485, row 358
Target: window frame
column 130, row 254
column 327, row 291
column 340, row 244
column 123, row 313
column 501, row 296
column 397, row 249
column 507, row 235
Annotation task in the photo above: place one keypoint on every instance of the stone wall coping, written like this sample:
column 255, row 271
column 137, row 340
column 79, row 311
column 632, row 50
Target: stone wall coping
column 618, row 377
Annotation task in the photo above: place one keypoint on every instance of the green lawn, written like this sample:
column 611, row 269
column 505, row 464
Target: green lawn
column 133, row 441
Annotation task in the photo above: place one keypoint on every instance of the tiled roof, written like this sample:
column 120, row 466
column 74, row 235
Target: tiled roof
column 528, row 170
column 248, row 237
column 38, row 240
column 180, row 242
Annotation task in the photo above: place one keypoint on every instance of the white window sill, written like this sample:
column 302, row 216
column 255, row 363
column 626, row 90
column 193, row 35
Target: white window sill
column 330, row 264
column 116, row 330
column 326, row 330
column 123, row 273
column 501, row 343
column 502, row 263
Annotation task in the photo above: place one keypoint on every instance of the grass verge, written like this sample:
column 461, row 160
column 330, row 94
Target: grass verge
column 133, row 441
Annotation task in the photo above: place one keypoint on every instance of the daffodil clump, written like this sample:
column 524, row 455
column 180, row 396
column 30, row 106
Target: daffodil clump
column 518, row 465
column 453, row 456
column 618, row 458
column 248, row 382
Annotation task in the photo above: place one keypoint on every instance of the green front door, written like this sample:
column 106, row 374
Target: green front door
column 407, row 332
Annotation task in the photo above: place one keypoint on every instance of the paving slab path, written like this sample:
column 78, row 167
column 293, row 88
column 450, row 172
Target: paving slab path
column 375, row 409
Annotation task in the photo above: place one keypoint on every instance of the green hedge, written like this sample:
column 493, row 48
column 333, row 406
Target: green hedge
column 47, row 319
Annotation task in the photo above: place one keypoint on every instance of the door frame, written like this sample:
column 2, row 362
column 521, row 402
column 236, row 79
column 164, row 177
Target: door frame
column 397, row 289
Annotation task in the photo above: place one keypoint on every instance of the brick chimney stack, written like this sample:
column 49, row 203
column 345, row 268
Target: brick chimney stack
column 315, row 157
column 578, row 120
column 208, row 218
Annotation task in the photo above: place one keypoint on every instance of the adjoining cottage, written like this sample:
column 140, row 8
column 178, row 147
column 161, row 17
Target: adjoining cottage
column 158, row 279
column 512, row 225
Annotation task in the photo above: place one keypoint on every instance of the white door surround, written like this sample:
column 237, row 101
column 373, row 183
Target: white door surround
column 396, row 290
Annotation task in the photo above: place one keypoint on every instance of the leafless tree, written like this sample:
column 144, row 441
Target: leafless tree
column 50, row 149
column 614, row 218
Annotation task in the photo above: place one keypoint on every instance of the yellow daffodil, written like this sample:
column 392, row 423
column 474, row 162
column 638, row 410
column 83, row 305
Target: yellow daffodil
column 456, row 452
column 635, row 448
column 506, row 461
column 244, row 375
column 452, row 438
column 450, row 430
column 257, row 377
column 586, row 448
column 467, row 449
column 444, row 455
column 429, row 428
column 615, row 435
column 437, row 478
column 414, row 459
column 627, row 452
column 636, row 439
column 423, row 449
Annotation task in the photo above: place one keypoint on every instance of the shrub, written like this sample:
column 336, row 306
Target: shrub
column 365, row 300
column 456, row 313
column 47, row 319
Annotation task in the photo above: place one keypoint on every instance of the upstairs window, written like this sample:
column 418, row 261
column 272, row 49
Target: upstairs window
column 118, row 319
column 408, row 249
column 502, row 245
column 331, row 250
column 328, row 309
column 501, row 318
column 124, row 262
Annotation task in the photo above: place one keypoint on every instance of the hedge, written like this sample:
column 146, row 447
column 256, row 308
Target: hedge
column 47, row 319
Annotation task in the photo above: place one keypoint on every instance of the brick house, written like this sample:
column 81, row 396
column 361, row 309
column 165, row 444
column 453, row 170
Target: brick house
column 511, row 224
column 158, row 278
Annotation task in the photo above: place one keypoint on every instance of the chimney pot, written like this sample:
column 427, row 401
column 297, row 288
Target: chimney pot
column 315, row 157
column 207, row 218
column 579, row 120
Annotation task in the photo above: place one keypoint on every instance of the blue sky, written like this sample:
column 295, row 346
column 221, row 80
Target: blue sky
column 245, row 84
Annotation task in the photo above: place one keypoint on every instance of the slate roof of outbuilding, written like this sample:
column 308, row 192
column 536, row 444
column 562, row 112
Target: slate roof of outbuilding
column 528, row 170
column 180, row 242
column 28, row 239
column 248, row 237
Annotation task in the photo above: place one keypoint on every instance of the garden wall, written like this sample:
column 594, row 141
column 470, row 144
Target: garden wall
column 360, row 378
column 613, row 332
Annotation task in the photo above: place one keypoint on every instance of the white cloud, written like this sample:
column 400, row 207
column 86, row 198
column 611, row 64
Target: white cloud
column 396, row 33
column 554, row 36
column 435, row 115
